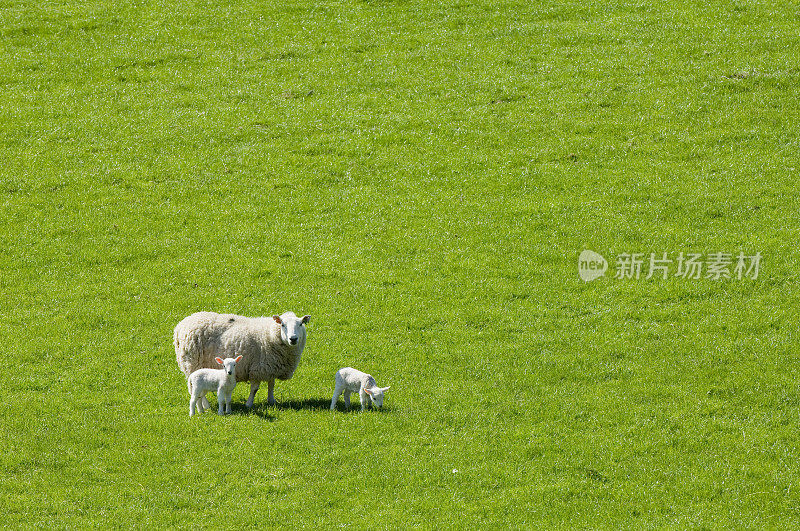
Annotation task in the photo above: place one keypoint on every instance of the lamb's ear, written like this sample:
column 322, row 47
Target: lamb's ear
column 238, row 359
column 277, row 319
column 218, row 360
column 386, row 389
column 305, row 319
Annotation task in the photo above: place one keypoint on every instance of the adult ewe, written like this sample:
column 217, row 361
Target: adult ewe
column 270, row 346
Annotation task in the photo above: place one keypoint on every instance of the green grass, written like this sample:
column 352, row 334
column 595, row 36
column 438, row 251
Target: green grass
column 421, row 178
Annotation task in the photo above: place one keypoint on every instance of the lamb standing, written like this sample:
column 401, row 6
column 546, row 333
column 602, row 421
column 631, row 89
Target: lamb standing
column 351, row 380
column 270, row 346
column 223, row 381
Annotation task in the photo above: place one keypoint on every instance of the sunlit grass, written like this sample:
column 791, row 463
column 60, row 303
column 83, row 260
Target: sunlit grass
column 420, row 178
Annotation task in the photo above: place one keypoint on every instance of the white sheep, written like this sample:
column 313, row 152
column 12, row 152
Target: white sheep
column 351, row 380
column 223, row 381
column 270, row 346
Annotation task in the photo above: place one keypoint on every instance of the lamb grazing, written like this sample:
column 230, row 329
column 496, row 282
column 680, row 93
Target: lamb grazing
column 351, row 380
column 223, row 381
column 270, row 346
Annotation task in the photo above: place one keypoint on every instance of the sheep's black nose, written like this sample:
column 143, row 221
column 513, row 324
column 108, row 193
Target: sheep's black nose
column 293, row 340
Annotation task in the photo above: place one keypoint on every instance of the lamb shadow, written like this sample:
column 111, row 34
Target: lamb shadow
column 313, row 404
column 258, row 410
column 355, row 407
column 262, row 410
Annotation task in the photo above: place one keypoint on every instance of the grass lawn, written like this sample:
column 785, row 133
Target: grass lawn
column 421, row 178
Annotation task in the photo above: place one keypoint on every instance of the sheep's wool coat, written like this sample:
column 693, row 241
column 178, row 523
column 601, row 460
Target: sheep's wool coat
column 203, row 336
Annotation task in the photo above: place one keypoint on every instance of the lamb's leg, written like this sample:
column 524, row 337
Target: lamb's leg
column 228, row 400
column 203, row 401
column 191, row 397
column 271, row 391
column 347, row 398
column 220, row 401
column 253, row 388
column 336, row 392
column 199, row 402
column 364, row 397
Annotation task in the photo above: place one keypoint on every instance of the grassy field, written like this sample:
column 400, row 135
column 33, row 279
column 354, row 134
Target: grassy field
column 421, row 178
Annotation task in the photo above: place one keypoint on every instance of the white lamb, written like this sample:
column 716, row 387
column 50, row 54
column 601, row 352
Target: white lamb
column 351, row 380
column 223, row 381
column 270, row 346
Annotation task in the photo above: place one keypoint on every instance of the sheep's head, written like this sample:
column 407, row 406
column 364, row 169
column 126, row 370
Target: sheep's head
column 229, row 364
column 376, row 394
column 293, row 329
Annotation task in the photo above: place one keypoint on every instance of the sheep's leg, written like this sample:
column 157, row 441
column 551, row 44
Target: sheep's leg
column 364, row 397
column 271, row 391
column 347, row 398
column 253, row 389
column 336, row 392
column 228, row 400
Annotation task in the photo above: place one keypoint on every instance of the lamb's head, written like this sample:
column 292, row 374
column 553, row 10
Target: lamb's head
column 229, row 364
column 293, row 329
column 376, row 394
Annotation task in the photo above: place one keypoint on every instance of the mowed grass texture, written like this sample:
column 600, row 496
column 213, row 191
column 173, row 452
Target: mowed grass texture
column 420, row 177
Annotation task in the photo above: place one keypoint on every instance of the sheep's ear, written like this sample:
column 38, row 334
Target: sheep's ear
column 238, row 359
column 386, row 389
column 218, row 360
column 368, row 391
column 277, row 319
column 306, row 319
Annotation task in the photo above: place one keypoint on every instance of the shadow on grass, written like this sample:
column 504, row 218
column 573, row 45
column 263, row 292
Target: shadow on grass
column 258, row 410
column 262, row 410
column 355, row 407
column 305, row 404
column 324, row 404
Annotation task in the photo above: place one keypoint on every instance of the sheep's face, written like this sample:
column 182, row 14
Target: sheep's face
column 376, row 395
column 293, row 328
column 229, row 364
